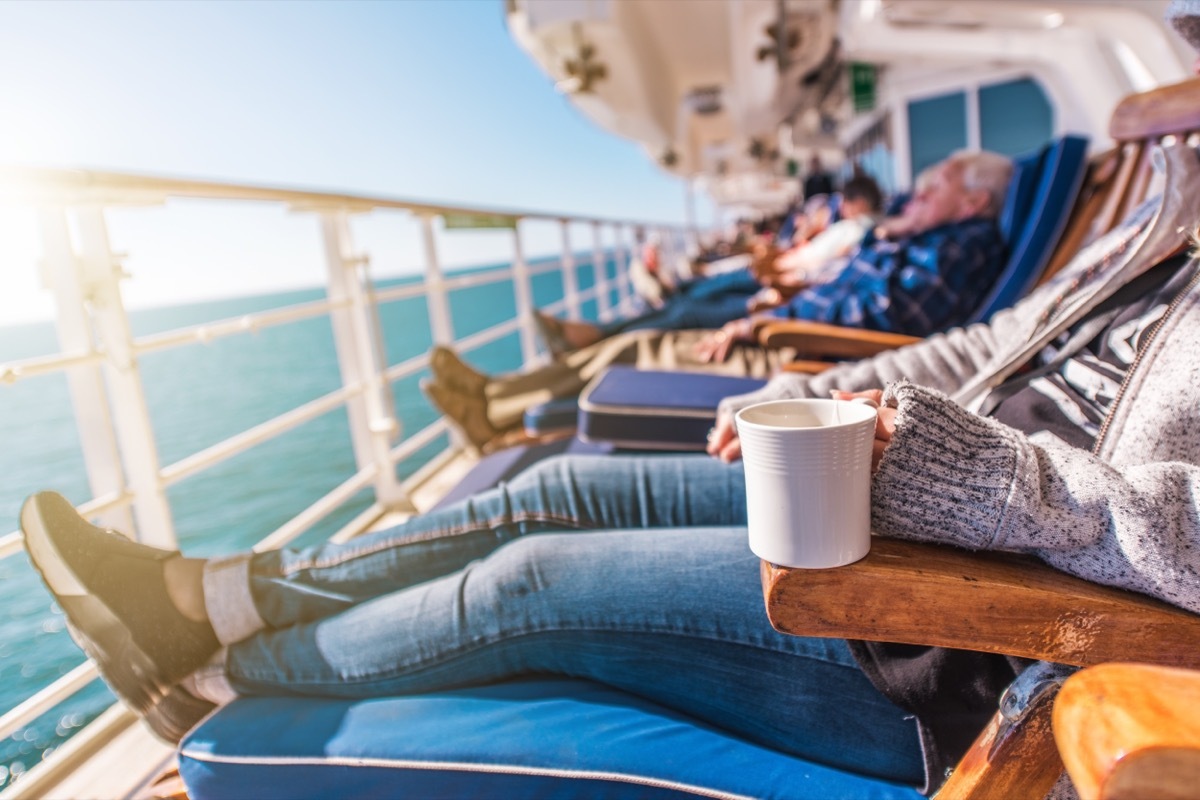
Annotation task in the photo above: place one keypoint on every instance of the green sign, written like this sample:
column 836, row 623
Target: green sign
column 453, row 221
column 862, row 85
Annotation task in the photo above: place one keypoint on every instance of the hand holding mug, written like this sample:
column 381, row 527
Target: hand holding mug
column 885, row 420
column 723, row 442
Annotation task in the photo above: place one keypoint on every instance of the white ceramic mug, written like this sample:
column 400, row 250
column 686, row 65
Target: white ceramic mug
column 808, row 480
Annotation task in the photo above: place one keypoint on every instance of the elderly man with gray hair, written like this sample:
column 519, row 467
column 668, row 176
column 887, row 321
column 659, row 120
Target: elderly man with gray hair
column 918, row 274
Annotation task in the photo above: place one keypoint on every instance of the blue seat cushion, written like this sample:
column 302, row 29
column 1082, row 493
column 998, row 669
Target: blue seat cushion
column 505, row 464
column 541, row 738
column 1038, row 204
column 655, row 410
column 1018, row 200
column 554, row 415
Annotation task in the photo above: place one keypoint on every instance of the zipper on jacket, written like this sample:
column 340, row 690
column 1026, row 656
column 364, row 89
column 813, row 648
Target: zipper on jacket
column 1137, row 359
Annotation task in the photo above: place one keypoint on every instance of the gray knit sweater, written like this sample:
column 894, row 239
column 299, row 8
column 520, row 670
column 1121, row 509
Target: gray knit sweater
column 1127, row 514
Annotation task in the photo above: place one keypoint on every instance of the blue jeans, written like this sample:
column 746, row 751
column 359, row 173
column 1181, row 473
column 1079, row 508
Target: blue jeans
column 740, row 281
column 706, row 303
column 463, row 596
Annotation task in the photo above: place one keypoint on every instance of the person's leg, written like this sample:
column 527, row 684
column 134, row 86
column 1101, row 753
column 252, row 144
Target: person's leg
column 708, row 313
column 677, row 350
column 740, row 281
column 675, row 617
column 569, row 492
column 509, row 396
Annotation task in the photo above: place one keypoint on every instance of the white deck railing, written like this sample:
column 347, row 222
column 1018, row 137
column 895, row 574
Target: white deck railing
column 100, row 354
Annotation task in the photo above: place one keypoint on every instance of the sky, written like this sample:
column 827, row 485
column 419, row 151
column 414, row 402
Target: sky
column 421, row 99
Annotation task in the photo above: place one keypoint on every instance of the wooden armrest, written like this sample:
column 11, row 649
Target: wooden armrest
column 915, row 593
column 1167, row 109
column 816, row 339
column 806, row 366
column 1130, row 731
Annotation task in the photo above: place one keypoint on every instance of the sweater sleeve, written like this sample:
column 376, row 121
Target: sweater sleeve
column 943, row 361
column 953, row 477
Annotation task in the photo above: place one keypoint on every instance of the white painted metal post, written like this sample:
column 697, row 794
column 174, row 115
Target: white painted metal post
column 437, row 300
column 135, row 437
column 523, row 291
column 93, row 416
column 569, row 278
column 600, row 274
column 974, row 130
column 440, row 322
column 372, row 422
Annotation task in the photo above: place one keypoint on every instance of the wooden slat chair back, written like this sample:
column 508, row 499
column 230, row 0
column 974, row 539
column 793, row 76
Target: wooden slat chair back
column 1116, row 181
column 1121, row 178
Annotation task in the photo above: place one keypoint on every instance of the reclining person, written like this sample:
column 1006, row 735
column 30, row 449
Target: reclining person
column 713, row 301
column 1100, row 486
column 921, row 283
column 922, row 273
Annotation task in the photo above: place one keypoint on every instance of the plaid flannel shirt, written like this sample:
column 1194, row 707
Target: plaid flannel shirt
column 919, row 285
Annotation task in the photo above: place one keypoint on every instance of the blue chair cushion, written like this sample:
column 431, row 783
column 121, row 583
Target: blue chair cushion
column 655, row 410
column 554, row 415
column 505, row 464
column 1037, row 207
column 1018, row 200
column 543, row 738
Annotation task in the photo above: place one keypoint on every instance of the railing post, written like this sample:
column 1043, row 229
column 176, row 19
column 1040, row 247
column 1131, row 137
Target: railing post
column 373, row 423
column 61, row 274
column 436, row 298
column 600, row 273
column 570, row 279
column 523, row 291
column 135, row 437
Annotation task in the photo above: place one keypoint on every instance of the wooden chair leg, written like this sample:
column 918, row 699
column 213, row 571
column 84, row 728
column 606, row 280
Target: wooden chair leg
column 1015, row 755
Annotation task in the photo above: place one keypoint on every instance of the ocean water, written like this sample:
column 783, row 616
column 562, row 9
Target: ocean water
column 198, row 395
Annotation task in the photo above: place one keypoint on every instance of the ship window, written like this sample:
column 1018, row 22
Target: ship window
column 1014, row 117
column 937, row 127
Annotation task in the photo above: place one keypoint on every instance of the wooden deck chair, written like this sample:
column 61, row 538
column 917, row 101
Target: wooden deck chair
column 913, row 593
column 1130, row 731
column 1115, row 182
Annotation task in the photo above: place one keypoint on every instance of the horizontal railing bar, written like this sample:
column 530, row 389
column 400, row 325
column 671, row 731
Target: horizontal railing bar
column 90, row 186
column 359, row 524
column 488, row 335
column 542, row 269
column 421, row 438
column 41, row 365
column 318, row 510
column 47, row 698
column 394, row 293
column 48, row 775
column 258, row 434
column 405, row 368
column 208, row 331
column 482, row 278
column 11, row 544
